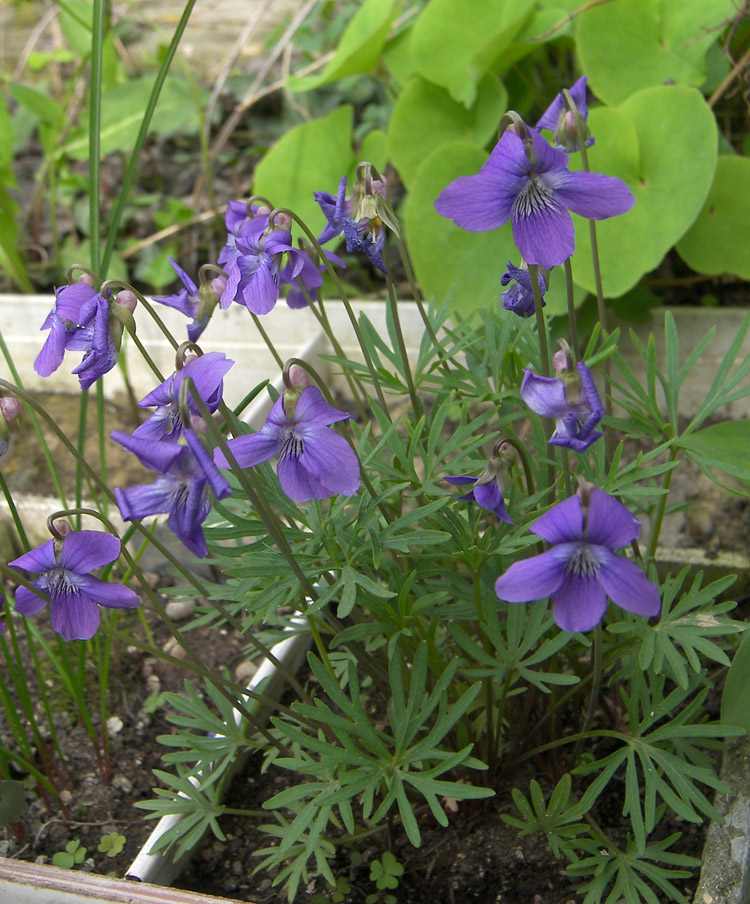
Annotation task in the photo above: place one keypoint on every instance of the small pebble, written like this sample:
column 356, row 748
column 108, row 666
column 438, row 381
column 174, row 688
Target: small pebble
column 114, row 725
column 152, row 579
column 172, row 648
column 123, row 783
column 245, row 671
column 179, row 610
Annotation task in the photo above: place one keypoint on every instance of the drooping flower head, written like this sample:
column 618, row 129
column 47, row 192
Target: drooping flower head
column 197, row 303
column 528, row 182
column 519, row 298
column 182, row 492
column 487, row 489
column 64, row 567
column 253, row 257
column 581, row 569
column 207, row 373
column 571, row 398
column 83, row 319
column 362, row 218
column 561, row 119
column 314, row 462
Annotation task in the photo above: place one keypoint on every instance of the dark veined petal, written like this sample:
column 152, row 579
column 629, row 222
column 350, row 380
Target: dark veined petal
column 542, row 227
column 28, row 602
column 327, row 466
column 579, row 603
column 261, row 292
column 593, row 195
column 534, row 578
column 561, row 524
column 37, row 560
column 74, row 614
column 109, row 594
column 544, row 395
column 84, row 550
column 627, row 585
column 609, row 523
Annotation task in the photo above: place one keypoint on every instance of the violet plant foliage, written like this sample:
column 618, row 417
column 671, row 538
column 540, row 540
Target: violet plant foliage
column 426, row 669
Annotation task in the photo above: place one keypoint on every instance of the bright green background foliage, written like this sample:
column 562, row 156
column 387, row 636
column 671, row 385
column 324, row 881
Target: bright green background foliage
column 453, row 69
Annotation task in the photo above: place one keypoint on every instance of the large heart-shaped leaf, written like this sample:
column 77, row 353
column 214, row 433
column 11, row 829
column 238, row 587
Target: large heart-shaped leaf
column 454, row 42
column 633, row 44
column 662, row 142
column 426, row 116
column 310, row 157
column 359, row 48
column 718, row 241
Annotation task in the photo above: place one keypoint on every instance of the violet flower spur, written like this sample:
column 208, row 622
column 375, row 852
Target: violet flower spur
column 581, row 569
column 519, row 298
column 572, row 399
column 528, row 183
column 190, row 302
column 207, row 373
column 182, row 491
column 314, row 462
column 75, row 595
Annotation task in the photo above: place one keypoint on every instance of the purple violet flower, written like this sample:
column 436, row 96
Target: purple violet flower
column 528, row 183
column 207, row 373
column 581, row 569
column 313, row 461
column 486, row 493
column 182, row 491
column 188, row 301
column 252, row 260
column 519, row 298
column 572, row 399
column 75, row 595
column 562, row 121
column 309, row 279
column 366, row 234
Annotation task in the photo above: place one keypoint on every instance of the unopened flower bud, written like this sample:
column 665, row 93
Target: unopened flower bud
column 298, row 377
column 217, row 286
column 87, row 279
column 127, row 299
column 282, row 221
column 10, row 408
column 62, row 527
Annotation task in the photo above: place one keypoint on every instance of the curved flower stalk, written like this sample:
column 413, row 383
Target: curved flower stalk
column 572, row 399
column 182, row 491
column 314, row 462
column 207, row 373
column 581, row 569
column 75, row 595
column 528, row 182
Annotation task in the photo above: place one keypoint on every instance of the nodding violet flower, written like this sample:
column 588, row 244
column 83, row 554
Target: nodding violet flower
column 362, row 218
column 82, row 320
column 252, row 258
column 75, row 595
column 564, row 122
column 207, row 373
column 487, row 489
column 527, row 182
column 572, row 399
column 196, row 303
column 581, row 569
column 314, row 462
column 519, row 298
column 182, row 491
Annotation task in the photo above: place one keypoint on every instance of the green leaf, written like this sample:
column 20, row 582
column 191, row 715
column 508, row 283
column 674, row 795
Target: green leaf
column 425, row 117
column 717, row 241
column 734, row 708
column 723, row 446
column 662, row 142
column 634, row 44
column 455, row 42
column 122, row 112
column 42, row 106
column 12, row 802
column 359, row 48
column 310, row 157
column 374, row 149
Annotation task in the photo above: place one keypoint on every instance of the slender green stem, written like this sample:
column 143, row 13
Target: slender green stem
column 653, row 540
column 266, row 338
column 416, row 405
column 127, row 181
column 102, row 435
column 14, row 513
column 570, row 295
column 83, row 405
column 540, row 322
column 596, row 683
column 95, row 118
